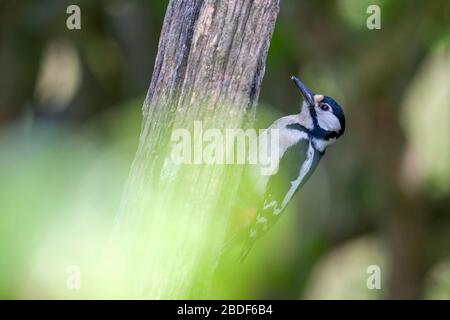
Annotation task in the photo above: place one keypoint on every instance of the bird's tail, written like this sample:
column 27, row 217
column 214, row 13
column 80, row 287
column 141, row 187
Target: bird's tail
column 248, row 245
column 228, row 244
column 233, row 241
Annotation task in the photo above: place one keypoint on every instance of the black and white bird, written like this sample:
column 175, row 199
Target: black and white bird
column 303, row 139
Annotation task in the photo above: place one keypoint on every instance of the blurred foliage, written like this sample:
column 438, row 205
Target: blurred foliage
column 70, row 115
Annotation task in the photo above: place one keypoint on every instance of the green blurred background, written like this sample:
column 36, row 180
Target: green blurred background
column 70, row 116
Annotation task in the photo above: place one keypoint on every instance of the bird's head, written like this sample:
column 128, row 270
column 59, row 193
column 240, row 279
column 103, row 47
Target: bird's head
column 327, row 120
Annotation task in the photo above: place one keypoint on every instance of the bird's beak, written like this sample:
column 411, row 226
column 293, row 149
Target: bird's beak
column 306, row 93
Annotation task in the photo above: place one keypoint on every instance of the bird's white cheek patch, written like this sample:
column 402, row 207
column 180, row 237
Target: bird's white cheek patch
column 328, row 121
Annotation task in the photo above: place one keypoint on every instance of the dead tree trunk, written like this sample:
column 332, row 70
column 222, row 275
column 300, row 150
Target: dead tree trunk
column 173, row 218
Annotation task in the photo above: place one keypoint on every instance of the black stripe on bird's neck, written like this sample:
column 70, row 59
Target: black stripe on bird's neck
column 299, row 127
column 316, row 131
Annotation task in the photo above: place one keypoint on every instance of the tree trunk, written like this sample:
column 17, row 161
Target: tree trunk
column 173, row 218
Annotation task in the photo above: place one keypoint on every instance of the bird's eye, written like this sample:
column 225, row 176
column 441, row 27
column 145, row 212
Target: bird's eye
column 324, row 107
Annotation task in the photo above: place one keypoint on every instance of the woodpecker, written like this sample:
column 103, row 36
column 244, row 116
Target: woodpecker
column 303, row 138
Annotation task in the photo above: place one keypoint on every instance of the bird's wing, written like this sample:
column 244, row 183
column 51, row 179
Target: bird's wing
column 296, row 166
column 282, row 186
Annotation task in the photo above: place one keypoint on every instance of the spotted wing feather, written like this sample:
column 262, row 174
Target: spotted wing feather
column 296, row 166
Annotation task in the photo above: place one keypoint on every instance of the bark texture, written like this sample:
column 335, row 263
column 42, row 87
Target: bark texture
column 209, row 67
